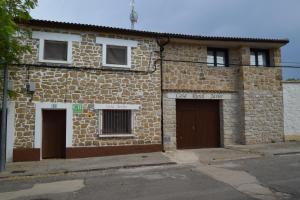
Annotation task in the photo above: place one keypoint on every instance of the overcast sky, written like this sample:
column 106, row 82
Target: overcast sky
column 244, row 18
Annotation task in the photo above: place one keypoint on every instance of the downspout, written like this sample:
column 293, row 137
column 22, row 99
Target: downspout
column 162, row 43
column 3, row 133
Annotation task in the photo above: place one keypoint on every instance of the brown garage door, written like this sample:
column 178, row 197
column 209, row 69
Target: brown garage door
column 54, row 134
column 198, row 124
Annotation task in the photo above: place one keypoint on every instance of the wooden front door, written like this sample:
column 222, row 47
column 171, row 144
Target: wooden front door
column 54, row 134
column 198, row 124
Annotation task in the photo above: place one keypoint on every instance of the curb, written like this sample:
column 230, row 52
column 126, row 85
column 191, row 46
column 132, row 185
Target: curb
column 15, row 177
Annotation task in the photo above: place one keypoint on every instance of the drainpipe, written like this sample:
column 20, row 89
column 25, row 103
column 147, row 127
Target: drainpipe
column 162, row 43
column 3, row 121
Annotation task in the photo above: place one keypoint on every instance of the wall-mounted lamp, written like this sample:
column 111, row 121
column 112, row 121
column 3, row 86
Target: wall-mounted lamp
column 30, row 87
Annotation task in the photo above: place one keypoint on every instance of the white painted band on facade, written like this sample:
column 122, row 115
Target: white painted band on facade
column 117, row 107
column 182, row 95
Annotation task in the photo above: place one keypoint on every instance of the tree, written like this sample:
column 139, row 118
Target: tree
column 11, row 47
column 12, row 11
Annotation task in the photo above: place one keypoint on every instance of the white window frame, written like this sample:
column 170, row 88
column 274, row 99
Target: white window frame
column 132, row 107
column 129, row 44
column 63, row 37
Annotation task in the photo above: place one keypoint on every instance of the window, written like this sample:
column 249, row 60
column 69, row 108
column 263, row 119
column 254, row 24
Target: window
column 55, row 50
column 55, row 47
column 259, row 57
column 217, row 57
column 116, row 55
column 116, row 52
column 116, row 122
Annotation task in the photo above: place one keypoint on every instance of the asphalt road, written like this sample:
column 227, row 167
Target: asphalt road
column 279, row 173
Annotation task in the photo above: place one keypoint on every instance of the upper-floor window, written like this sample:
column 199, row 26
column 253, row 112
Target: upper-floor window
column 116, row 55
column 55, row 47
column 55, row 50
column 116, row 52
column 217, row 57
column 259, row 57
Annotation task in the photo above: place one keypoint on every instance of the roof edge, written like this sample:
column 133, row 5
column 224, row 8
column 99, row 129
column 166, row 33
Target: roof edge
column 90, row 27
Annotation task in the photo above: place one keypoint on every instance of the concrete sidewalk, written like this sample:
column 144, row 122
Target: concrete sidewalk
column 61, row 166
column 272, row 149
column 204, row 156
column 209, row 156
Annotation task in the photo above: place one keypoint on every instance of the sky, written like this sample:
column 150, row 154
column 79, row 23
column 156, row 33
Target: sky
column 241, row 18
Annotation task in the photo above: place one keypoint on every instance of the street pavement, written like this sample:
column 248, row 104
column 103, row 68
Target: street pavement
column 158, row 183
column 199, row 174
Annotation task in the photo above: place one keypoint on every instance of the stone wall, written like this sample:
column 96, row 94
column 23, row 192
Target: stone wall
column 89, row 87
column 291, row 101
column 254, row 114
column 261, row 101
column 230, row 121
column 194, row 76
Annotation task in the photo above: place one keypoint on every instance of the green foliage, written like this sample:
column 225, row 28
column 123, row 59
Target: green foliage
column 293, row 79
column 11, row 34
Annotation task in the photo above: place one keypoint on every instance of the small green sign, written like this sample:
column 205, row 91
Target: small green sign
column 77, row 108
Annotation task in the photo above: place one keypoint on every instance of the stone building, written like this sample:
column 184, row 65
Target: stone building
column 88, row 90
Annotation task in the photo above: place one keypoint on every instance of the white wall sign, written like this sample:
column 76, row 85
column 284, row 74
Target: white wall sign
column 182, row 95
column 117, row 106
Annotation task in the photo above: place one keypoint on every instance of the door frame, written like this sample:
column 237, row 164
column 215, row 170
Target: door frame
column 39, row 122
column 218, row 103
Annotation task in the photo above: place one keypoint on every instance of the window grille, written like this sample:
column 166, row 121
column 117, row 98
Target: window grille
column 116, row 122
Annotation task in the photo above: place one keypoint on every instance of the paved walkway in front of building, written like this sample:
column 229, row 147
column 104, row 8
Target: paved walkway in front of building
column 273, row 149
column 204, row 156
column 62, row 166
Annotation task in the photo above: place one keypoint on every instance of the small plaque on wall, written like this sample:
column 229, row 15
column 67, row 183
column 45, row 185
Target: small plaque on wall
column 77, row 108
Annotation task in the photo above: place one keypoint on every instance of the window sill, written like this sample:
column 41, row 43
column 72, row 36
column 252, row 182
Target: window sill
column 55, row 61
column 128, row 67
column 116, row 136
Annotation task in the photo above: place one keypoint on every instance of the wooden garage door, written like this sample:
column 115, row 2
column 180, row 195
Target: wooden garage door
column 198, row 124
column 54, row 134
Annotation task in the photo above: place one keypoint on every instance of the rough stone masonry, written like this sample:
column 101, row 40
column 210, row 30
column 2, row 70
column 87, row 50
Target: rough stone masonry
column 251, row 107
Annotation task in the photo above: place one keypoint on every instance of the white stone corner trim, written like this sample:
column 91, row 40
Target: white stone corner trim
column 38, row 121
column 118, row 42
column 56, row 36
column 115, row 41
column 65, row 37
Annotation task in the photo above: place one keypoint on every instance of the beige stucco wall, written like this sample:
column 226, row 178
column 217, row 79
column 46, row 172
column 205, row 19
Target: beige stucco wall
column 291, row 100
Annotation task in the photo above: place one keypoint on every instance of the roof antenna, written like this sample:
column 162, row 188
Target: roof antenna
column 133, row 14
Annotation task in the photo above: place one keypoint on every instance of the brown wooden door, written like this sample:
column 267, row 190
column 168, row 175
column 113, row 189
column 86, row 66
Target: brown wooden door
column 198, row 124
column 54, row 134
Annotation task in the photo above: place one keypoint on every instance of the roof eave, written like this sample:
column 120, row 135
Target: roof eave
column 88, row 27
